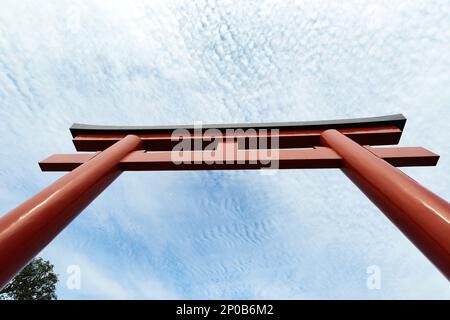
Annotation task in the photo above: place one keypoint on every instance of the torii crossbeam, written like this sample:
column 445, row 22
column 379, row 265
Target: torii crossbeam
column 346, row 144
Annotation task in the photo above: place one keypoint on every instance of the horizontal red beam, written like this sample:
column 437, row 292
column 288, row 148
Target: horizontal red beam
column 317, row 157
column 405, row 156
column 387, row 135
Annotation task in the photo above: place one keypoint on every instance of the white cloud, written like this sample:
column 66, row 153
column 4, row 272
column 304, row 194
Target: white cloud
column 225, row 234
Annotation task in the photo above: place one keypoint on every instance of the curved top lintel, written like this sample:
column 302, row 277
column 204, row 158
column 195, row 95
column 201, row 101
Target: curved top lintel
column 396, row 120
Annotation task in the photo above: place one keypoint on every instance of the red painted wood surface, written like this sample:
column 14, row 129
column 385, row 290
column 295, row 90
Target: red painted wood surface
column 27, row 229
column 291, row 139
column 420, row 214
column 317, row 157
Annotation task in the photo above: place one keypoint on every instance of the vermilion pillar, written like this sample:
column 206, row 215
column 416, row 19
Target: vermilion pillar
column 420, row 214
column 28, row 228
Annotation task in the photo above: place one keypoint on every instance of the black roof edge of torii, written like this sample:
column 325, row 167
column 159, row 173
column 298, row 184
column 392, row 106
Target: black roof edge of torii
column 396, row 120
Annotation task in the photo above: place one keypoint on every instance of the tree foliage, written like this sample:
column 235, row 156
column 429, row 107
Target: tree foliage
column 37, row 281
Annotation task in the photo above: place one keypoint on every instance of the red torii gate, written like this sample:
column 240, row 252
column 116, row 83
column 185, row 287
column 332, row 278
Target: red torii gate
column 346, row 144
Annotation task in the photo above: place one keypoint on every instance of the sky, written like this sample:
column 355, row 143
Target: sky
column 296, row 234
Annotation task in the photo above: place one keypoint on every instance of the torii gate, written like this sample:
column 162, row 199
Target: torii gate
column 346, row 144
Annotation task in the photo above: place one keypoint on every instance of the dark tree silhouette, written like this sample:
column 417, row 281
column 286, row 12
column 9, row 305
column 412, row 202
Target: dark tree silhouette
column 37, row 281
